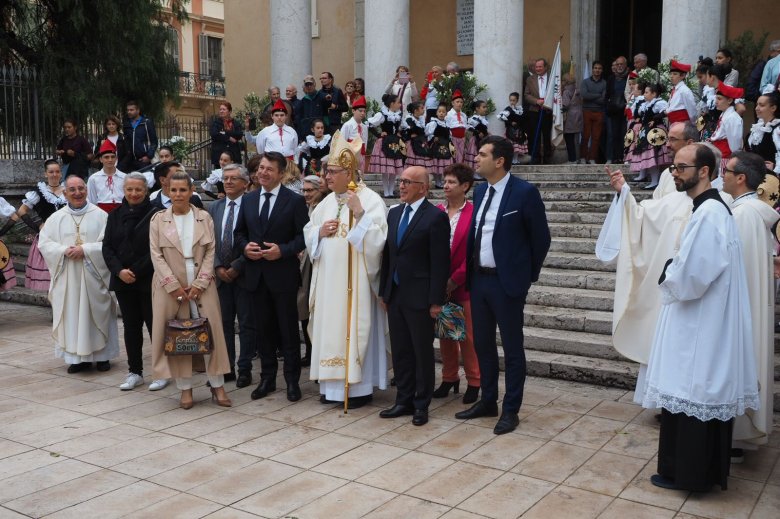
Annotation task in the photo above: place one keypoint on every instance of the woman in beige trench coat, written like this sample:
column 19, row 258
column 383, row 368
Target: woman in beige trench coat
column 182, row 246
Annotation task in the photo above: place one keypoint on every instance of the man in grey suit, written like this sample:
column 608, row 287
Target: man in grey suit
column 233, row 299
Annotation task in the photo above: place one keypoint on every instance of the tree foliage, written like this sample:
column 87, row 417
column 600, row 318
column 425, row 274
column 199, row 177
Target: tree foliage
column 746, row 50
column 93, row 55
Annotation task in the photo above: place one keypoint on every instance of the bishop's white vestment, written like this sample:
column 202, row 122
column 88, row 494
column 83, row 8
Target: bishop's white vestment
column 368, row 330
column 84, row 325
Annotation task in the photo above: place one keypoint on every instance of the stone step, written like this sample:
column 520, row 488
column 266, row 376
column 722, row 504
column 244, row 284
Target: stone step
column 577, row 206
column 560, row 321
column 575, row 230
column 571, row 195
column 576, row 217
column 25, row 296
column 572, row 298
column 576, row 261
column 564, row 169
column 558, row 277
column 576, row 245
column 535, row 177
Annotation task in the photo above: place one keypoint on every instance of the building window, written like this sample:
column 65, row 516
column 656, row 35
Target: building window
column 210, row 55
column 172, row 46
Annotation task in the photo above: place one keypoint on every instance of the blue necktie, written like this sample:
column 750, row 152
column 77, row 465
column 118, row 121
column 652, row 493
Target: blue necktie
column 403, row 225
column 399, row 236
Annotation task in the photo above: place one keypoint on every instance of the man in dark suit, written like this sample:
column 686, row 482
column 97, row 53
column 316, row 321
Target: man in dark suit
column 269, row 233
column 233, row 299
column 508, row 241
column 162, row 172
column 535, row 90
column 413, row 287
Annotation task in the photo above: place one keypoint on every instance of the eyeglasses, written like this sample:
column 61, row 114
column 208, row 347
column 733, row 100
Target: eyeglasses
column 332, row 172
column 732, row 171
column 308, row 190
column 679, row 167
column 406, row 182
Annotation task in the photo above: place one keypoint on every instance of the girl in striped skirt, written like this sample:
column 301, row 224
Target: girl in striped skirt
column 387, row 157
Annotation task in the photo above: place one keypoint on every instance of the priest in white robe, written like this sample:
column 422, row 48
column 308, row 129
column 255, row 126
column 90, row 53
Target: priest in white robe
column 351, row 221
column 701, row 371
column 755, row 192
column 84, row 324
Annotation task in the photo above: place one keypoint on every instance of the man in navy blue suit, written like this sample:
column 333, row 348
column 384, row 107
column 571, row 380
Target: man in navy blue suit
column 508, row 241
column 269, row 233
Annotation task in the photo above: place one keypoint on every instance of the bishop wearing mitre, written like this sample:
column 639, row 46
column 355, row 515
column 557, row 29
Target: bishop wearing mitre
column 84, row 324
column 349, row 327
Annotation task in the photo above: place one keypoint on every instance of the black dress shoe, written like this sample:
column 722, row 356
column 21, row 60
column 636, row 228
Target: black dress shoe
column 478, row 410
column 324, row 400
column 507, row 423
column 663, row 482
column 230, row 377
column 75, row 368
column 420, row 417
column 293, row 391
column 266, row 385
column 396, row 411
column 359, row 401
column 471, row 394
column 103, row 365
column 243, row 380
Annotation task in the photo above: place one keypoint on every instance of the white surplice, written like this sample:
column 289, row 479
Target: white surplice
column 328, row 297
column 84, row 325
column 701, row 361
column 754, row 220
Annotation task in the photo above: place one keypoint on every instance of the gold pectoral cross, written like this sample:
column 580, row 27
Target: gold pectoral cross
column 79, row 241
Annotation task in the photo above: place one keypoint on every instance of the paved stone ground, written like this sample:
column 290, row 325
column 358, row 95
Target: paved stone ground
column 75, row 446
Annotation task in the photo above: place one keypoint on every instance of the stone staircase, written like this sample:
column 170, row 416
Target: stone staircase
column 568, row 315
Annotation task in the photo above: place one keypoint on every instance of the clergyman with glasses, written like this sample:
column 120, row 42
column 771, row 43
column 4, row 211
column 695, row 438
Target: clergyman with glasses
column 345, row 237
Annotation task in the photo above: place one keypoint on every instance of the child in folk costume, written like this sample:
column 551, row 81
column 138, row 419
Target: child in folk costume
column 213, row 185
column 634, row 122
column 651, row 151
column 356, row 126
column 387, row 156
column 478, row 128
column 314, row 149
column 727, row 136
column 413, row 129
column 512, row 116
column 682, row 104
column 707, row 115
column 7, row 272
column 764, row 137
column 439, row 144
column 457, row 122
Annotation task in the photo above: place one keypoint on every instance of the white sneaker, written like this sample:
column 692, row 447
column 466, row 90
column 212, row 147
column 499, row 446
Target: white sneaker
column 131, row 382
column 158, row 384
column 608, row 162
column 591, row 162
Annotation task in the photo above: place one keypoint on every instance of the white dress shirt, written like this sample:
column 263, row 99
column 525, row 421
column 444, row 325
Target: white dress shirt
column 272, row 200
column 351, row 128
column 235, row 213
column 486, row 258
column 543, row 82
column 104, row 190
column 282, row 139
column 415, row 206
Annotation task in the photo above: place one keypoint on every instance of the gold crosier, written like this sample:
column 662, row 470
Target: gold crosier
column 348, row 161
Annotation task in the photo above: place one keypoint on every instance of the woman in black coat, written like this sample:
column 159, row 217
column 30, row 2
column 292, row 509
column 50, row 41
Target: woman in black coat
column 126, row 251
column 226, row 134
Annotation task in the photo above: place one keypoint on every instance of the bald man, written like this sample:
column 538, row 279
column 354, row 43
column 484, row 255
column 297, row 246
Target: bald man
column 413, row 288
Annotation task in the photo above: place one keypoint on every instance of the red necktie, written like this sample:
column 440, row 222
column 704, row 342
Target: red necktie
column 458, row 114
column 281, row 137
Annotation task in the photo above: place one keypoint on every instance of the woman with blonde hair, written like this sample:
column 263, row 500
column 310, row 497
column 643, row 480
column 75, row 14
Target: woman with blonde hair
column 181, row 240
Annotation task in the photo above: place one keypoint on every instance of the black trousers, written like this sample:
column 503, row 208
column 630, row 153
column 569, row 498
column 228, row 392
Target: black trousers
column 235, row 301
column 136, row 306
column 276, row 315
column 696, row 455
column 411, row 340
column 544, row 149
column 490, row 306
column 617, row 131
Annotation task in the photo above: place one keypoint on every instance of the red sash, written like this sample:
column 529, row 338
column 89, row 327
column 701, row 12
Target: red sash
column 723, row 146
column 291, row 157
column 109, row 206
column 678, row 116
column 458, row 133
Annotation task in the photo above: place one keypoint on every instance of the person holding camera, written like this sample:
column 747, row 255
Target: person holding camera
column 335, row 100
column 403, row 86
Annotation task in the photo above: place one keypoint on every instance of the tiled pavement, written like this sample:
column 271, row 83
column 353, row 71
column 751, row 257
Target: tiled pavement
column 75, row 446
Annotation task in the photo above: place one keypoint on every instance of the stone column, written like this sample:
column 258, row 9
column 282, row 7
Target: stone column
column 290, row 41
column 690, row 29
column 386, row 43
column 498, row 51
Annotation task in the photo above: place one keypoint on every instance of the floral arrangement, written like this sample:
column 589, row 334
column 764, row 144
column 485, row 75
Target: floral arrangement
column 470, row 88
column 253, row 107
column 664, row 67
column 181, row 148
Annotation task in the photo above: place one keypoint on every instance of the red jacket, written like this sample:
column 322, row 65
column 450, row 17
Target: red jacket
column 458, row 251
